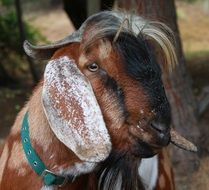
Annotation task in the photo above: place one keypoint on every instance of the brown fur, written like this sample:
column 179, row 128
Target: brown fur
column 41, row 136
column 165, row 175
column 17, row 172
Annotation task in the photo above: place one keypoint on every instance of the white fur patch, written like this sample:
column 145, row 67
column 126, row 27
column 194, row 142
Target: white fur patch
column 104, row 49
column 73, row 112
column 21, row 172
column 76, row 169
column 82, row 59
column 48, row 188
column 17, row 152
column 80, row 168
column 148, row 171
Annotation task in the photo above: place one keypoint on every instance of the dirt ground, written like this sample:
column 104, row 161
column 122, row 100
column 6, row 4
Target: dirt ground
column 194, row 28
column 47, row 25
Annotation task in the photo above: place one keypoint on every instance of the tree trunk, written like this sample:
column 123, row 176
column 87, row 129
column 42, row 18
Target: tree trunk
column 5, row 78
column 79, row 10
column 22, row 39
column 178, row 84
column 76, row 11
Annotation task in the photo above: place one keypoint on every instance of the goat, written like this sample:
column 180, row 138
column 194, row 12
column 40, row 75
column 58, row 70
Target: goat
column 99, row 110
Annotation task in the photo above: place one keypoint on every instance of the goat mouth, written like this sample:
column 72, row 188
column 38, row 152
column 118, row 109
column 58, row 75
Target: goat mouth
column 150, row 140
column 151, row 136
column 147, row 140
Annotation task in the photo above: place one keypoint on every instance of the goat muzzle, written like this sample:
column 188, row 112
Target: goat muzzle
column 152, row 134
column 156, row 136
column 148, row 139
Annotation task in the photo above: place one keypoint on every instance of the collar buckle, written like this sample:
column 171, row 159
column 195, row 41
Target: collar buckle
column 45, row 172
column 56, row 179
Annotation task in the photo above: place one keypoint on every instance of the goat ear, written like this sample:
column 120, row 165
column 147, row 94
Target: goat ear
column 44, row 52
column 73, row 112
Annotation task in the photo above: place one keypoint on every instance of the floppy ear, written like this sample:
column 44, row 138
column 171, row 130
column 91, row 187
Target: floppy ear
column 73, row 112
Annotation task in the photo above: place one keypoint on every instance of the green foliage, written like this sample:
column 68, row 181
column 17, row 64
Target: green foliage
column 10, row 37
column 11, row 50
column 6, row 3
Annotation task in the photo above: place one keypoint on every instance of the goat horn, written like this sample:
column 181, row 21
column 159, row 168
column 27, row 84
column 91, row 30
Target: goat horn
column 42, row 52
column 181, row 142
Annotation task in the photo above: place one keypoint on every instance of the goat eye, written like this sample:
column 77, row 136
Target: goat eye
column 93, row 67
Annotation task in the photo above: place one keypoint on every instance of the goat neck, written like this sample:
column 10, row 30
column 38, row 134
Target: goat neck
column 57, row 157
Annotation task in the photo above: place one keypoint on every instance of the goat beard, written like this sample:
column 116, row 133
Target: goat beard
column 120, row 171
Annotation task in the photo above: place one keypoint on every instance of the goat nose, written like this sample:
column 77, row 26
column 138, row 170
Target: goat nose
column 160, row 127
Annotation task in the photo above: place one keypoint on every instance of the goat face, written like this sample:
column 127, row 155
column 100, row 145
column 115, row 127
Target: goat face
column 125, row 78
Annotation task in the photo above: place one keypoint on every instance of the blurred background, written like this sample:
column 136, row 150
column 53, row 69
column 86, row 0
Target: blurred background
column 187, row 88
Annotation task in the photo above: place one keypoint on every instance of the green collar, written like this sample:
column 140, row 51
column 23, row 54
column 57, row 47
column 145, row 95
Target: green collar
column 49, row 178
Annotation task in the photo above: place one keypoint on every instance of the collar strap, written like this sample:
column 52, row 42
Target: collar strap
column 49, row 177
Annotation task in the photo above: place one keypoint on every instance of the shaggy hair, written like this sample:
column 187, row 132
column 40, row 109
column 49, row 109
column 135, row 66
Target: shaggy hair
column 120, row 171
column 109, row 23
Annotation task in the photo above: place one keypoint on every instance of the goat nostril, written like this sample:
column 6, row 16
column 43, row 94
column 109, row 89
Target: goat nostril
column 161, row 128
